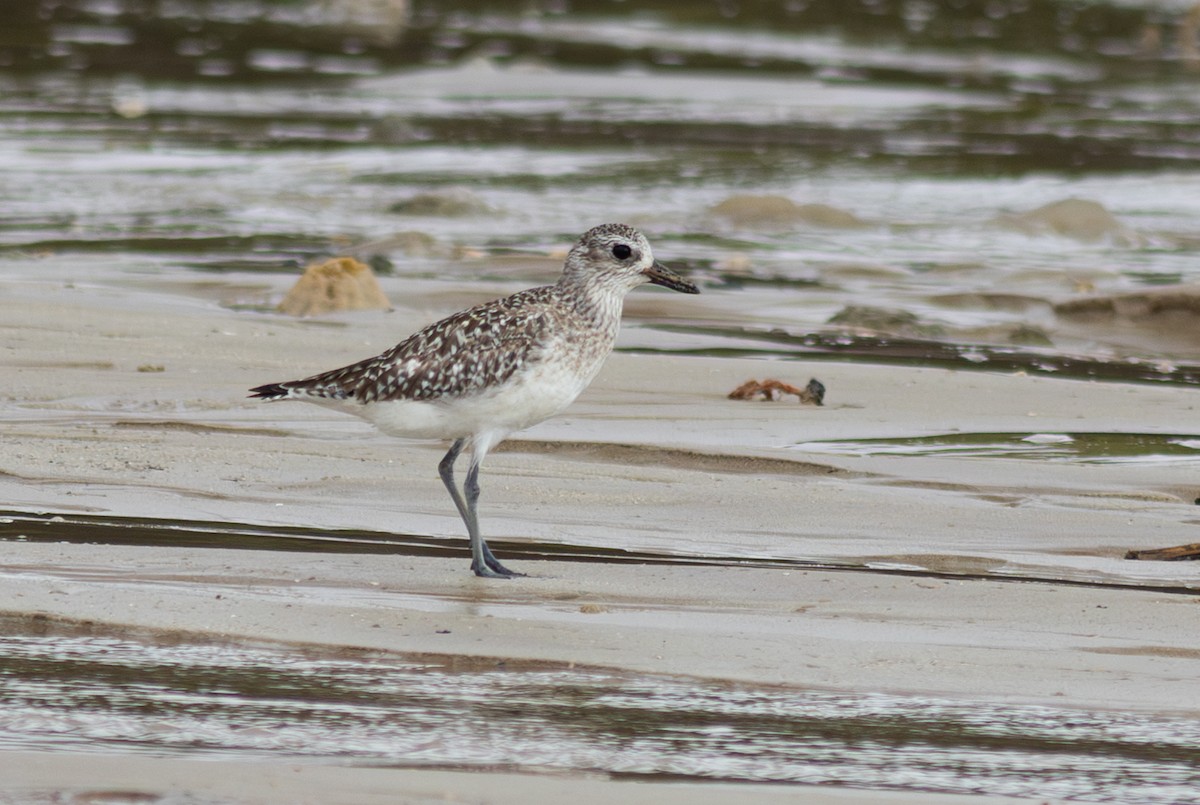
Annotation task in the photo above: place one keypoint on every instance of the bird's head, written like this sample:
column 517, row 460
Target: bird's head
column 619, row 255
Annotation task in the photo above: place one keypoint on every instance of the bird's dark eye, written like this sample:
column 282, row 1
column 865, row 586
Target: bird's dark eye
column 621, row 251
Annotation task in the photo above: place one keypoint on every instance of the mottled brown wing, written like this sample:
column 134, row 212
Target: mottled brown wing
column 455, row 357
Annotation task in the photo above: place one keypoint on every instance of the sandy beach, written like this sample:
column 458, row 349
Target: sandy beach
column 973, row 224
column 997, row 580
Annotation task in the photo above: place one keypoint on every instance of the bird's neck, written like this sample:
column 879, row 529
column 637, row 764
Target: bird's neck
column 598, row 303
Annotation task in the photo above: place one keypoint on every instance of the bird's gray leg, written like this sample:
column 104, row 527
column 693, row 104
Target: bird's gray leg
column 483, row 562
column 446, row 470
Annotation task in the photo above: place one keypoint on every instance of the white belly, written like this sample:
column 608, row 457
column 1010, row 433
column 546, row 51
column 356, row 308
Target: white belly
column 538, row 394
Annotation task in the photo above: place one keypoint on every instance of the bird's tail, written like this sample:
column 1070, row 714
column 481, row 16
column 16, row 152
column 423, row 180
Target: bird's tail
column 320, row 387
column 271, row 391
column 340, row 384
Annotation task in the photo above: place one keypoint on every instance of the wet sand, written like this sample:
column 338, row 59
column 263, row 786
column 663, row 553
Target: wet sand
column 130, row 401
column 139, row 779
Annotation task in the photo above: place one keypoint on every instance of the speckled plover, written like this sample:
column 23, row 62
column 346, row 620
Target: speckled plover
column 479, row 375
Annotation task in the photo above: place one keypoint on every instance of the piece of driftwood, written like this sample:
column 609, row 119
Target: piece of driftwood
column 1172, row 554
column 772, row 389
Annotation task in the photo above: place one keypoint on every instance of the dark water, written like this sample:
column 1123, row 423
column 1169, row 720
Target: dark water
column 142, row 138
column 81, row 689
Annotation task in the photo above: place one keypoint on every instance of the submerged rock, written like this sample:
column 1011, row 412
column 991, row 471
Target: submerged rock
column 883, row 320
column 414, row 244
column 988, row 300
column 1174, row 306
column 1162, row 321
column 1076, row 218
column 1027, row 335
column 455, row 202
column 778, row 211
column 342, row 283
column 377, row 253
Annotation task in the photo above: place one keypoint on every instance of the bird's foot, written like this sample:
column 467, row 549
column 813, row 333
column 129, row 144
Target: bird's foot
column 492, row 569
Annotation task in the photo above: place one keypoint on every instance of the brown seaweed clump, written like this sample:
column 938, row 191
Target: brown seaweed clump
column 342, row 283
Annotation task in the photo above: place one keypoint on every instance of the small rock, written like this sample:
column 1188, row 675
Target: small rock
column 381, row 264
column 342, row 283
column 1029, row 336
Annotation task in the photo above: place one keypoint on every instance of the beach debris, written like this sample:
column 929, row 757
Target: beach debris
column 772, row 389
column 342, row 283
column 592, row 609
column 1173, row 554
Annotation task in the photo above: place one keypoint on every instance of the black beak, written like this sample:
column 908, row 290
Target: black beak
column 661, row 275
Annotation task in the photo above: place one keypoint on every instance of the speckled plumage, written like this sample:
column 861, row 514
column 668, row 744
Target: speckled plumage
column 481, row 374
column 458, row 356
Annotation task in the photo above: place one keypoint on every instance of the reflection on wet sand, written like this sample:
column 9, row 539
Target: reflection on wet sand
column 79, row 688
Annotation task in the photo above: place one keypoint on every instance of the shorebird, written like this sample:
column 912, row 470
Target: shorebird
column 477, row 376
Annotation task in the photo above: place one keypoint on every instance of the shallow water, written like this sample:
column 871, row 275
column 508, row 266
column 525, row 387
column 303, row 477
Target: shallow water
column 1088, row 448
column 84, row 689
column 259, row 135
